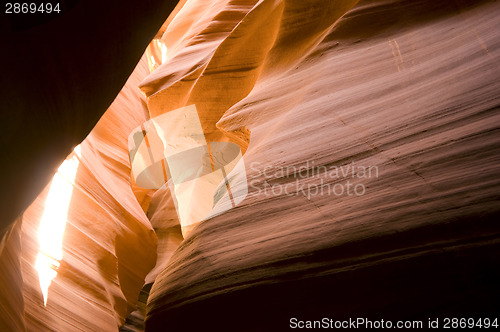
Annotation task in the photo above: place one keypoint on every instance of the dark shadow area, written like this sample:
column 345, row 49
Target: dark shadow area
column 60, row 72
column 416, row 275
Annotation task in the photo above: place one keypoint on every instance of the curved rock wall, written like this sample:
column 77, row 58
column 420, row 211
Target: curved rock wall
column 371, row 142
column 108, row 246
column 61, row 72
column 405, row 89
column 11, row 295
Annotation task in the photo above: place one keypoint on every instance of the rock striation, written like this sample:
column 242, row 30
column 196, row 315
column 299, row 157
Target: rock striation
column 372, row 161
column 369, row 133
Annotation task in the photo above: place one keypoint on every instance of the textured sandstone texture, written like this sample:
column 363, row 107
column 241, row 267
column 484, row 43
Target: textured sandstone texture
column 11, row 295
column 109, row 245
column 61, row 72
column 310, row 91
column 410, row 87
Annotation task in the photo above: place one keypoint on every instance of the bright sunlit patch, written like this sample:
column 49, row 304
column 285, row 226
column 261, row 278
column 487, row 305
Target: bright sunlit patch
column 53, row 222
column 156, row 54
column 163, row 51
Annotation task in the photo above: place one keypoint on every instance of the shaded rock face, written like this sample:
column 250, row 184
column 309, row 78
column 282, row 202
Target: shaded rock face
column 370, row 139
column 108, row 245
column 406, row 89
column 57, row 82
column 61, row 72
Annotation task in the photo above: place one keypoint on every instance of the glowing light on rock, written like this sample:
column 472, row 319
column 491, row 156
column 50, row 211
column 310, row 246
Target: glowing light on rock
column 163, row 49
column 206, row 178
column 53, row 222
column 156, row 54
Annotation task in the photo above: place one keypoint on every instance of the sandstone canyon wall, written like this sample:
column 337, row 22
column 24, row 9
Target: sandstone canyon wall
column 406, row 88
column 370, row 133
column 109, row 245
column 61, row 72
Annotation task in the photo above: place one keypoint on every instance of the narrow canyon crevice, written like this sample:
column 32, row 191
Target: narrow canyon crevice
column 363, row 180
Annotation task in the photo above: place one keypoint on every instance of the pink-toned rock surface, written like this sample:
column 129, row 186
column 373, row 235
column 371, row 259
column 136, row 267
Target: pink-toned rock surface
column 11, row 294
column 60, row 74
column 408, row 87
column 109, row 245
column 405, row 93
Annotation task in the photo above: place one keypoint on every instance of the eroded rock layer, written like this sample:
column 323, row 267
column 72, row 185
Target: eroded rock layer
column 370, row 133
column 61, row 71
column 406, row 89
column 60, row 74
column 108, row 246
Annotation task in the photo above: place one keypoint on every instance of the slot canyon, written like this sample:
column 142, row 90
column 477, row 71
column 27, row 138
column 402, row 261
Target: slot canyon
column 249, row 165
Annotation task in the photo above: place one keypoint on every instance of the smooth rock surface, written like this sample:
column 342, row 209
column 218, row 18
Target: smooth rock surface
column 109, row 245
column 370, row 132
column 408, row 87
column 60, row 74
